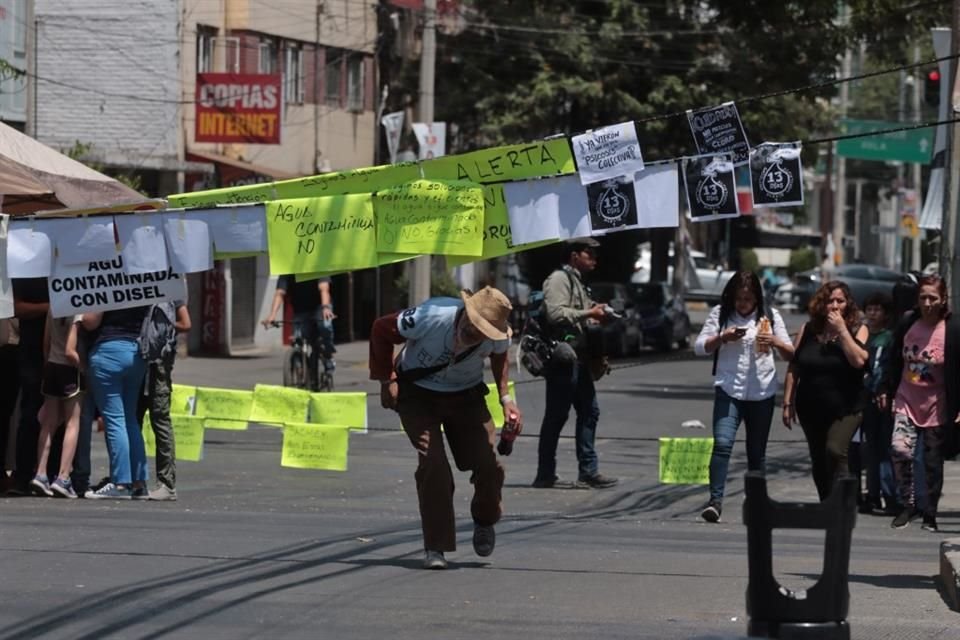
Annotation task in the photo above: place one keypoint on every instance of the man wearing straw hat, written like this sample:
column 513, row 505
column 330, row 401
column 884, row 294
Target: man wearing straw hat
column 437, row 380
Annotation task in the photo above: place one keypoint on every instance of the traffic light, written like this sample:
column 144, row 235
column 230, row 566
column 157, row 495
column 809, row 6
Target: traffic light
column 931, row 88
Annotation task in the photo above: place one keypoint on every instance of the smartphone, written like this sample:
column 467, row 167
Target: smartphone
column 740, row 331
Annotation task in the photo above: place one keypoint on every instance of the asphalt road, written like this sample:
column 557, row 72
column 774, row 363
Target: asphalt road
column 255, row 550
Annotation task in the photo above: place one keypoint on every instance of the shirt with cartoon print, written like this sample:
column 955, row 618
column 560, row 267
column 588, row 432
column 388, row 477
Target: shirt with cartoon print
column 921, row 395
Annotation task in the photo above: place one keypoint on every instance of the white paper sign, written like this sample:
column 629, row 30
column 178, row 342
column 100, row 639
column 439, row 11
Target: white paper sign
column 29, row 249
column 80, row 240
column 188, row 242
column 658, row 195
column 392, row 127
column 237, row 229
column 141, row 242
column 546, row 209
column 6, row 290
column 607, row 153
column 432, row 139
column 105, row 285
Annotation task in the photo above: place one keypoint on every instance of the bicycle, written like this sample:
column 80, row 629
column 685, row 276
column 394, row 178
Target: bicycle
column 296, row 364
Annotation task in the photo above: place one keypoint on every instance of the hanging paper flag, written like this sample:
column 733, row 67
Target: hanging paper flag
column 776, row 175
column 141, row 242
column 718, row 130
column 392, row 127
column 607, row 153
column 29, row 248
column 657, row 190
column 547, row 209
column 711, row 188
column 84, row 240
column 188, row 242
column 613, row 205
column 432, row 139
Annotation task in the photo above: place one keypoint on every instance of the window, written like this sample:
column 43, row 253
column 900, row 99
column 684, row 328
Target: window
column 332, row 77
column 206, row 42
column 355, row 83
column 293, row 75
column 267, row 62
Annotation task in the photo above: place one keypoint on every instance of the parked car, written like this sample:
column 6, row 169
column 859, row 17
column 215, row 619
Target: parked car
column 863, row 280
column 664, row 319
column 712, row 278
column 623, row 336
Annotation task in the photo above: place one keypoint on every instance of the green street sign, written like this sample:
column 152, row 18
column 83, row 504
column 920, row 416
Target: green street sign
column 914, row 146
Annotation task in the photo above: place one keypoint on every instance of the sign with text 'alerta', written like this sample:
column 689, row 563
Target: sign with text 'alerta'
column 913, row 146
column 234, row 107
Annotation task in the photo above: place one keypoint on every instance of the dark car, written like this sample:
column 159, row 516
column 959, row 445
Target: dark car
column 866, row 279
column 663, row 320
column 622, row 336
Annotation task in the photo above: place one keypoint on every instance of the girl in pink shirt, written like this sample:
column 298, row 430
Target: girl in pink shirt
column 922, row 360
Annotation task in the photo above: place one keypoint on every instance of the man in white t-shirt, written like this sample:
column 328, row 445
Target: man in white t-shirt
column 437, row 381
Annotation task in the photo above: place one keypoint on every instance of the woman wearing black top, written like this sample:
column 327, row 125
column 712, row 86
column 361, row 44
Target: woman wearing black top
column 824, row 386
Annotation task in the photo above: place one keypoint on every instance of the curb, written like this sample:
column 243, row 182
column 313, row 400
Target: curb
column 950, row 571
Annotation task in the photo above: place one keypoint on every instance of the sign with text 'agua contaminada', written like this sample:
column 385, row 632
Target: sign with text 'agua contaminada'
column 235, row 107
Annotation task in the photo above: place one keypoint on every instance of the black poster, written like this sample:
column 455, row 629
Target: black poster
column 613, row 205
column 776, row 176
column 719, row 130
column 711, row 188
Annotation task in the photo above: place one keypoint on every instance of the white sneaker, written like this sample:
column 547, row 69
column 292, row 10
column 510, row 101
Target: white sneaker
column 108, row 491
column 163, row 493
column 434, row 560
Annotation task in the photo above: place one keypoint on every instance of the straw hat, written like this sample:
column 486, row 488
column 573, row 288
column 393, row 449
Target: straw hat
column 489, row 311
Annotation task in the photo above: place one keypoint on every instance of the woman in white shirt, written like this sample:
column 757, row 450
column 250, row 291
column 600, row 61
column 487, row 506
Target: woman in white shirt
column 742, row 337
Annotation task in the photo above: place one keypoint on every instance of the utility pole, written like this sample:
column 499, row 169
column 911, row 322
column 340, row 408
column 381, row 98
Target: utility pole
column 948, row 239
column 917, row 167
column 840, row 195
column 420, row 269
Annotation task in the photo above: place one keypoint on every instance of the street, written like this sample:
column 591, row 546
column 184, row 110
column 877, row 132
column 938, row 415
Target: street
column 255, row 550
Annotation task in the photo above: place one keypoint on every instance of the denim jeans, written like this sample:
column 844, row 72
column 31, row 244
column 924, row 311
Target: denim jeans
column 728, row 413
column 877, row 434
column 318, row 333
column 80, row 476
column 569, row 386
column 116, row 375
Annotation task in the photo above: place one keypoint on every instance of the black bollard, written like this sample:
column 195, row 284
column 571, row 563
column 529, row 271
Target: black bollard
column 819, row 612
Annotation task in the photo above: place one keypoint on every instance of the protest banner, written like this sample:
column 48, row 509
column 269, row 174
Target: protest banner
column 430, row 216
column 315, row 446
column 776, row 175
column 276, row 405
column 234, row 107
column 232, row 405
column 719, row 130
column 685, row 460
column 500, row 164
column 315, row 235
column 711, row 188
column 613, row 205
column 607, row 153
column 188, row 434
column 183, row 399
column 493, row 403
column 104, row 285
column 349, row 409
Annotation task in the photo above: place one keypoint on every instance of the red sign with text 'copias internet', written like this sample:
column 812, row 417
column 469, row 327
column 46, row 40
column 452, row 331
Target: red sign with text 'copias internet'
column 236, row 107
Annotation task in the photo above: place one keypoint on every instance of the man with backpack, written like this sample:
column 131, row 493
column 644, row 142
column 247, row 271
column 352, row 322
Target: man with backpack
column 158, row 348
column 570, row 372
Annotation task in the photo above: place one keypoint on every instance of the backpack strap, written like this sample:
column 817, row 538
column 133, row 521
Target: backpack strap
column 419, row 373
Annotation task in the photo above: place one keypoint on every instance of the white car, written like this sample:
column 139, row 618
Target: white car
column 709, row 282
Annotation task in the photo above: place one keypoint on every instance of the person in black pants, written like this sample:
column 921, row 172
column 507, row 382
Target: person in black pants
column 31, row 301
column 9, row 364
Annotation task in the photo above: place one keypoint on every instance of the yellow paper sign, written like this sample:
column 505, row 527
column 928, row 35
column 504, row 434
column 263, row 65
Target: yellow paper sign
column 493, row 403
column 348, row 409
column 500, row 164
column 182, row 399
column 188, row 436
column 497, row 240
column 225, row 425
column 315, row 446
column 430, row 217
column 149, row 441
column 365, row 180
column 232, row 404
column 312, row 235
column 277, row 405
column 685, row 460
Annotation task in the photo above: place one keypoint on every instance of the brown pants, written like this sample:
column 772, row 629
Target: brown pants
column 470, row 434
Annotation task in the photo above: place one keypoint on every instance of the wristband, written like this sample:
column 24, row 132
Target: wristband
column 505, row 398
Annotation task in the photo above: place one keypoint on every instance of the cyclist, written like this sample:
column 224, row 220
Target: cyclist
column 312, row 320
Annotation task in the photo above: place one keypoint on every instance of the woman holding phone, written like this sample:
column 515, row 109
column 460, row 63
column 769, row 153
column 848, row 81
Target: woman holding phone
column 742, row 337
column 824, row 387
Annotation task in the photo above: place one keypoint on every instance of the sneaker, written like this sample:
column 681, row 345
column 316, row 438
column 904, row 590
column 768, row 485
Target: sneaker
column 597, row 481
column 930, row 524
column 434, row 560
column 711, row 512
column 139, row 493
column 63, row 489
column 40, row 486
column 108, row 491
column 545, row 483
column 484, row 539
column 904, row 517
column 163, row 493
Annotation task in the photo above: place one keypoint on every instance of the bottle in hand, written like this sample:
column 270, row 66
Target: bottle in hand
column 507, row 435
column 763, row 327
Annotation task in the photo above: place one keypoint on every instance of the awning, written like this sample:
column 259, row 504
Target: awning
column 240, row 165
